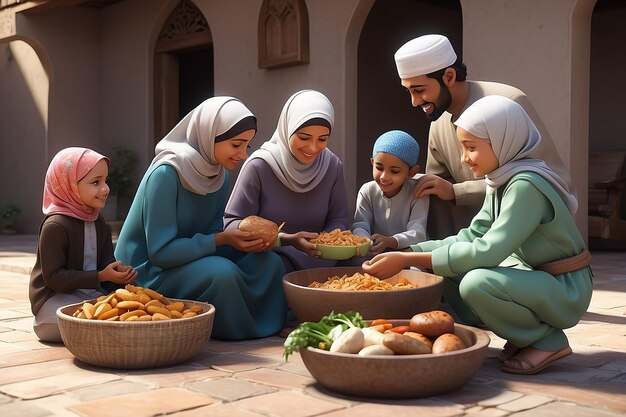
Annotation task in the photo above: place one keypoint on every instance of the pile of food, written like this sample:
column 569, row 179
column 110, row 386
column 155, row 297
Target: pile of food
column 133, row 303
column 361, row 282
column 428, row 332
column 340, row 237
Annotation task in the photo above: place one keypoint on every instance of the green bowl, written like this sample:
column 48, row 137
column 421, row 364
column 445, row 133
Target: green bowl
column 340, row 253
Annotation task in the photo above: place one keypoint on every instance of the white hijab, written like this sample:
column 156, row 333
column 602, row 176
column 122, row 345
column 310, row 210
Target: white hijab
column 189, row 147
column 514, row 139
column 301, row 107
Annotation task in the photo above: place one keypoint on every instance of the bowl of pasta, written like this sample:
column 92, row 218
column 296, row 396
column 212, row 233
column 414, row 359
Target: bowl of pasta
column 313, row 293
column 340, row 245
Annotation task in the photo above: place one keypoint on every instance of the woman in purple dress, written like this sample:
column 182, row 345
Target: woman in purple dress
column 294, row 178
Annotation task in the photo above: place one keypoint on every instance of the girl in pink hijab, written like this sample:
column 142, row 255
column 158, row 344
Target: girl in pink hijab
column 75, row 259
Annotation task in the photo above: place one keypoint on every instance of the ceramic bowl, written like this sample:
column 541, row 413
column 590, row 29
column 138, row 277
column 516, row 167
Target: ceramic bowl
column 399, row 376
column 137, row 344
column 340, row 253
column 311, row 304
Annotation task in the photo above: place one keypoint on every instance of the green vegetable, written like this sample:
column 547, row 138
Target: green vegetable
column 322, row 334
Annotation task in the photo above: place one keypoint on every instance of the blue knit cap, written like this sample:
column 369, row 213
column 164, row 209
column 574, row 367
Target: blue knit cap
column 400, row 144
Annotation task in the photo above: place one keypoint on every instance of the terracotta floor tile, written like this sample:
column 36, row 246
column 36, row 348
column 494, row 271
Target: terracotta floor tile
column 43, row 355
column 35, row 371
column 177, row 375
column 276, row 378
column 218, row 410
column 145, row 404
column 55, row 384
column 230, row 389
column 426, row 408
column 287, row 404
column 238, row 362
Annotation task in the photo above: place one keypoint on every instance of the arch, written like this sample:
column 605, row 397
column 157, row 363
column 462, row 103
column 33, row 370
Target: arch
column 183, row 66
column 605, row 129
column 283, row 33
column 382, row 103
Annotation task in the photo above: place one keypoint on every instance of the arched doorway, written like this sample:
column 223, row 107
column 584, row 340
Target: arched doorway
column 183, row 66
column 606, row 132
column 383, row 104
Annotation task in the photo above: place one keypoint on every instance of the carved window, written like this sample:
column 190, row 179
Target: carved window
column 283, row 33
column 185, row 27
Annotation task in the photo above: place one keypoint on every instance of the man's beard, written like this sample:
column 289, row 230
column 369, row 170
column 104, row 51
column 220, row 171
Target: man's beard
column 442, row 104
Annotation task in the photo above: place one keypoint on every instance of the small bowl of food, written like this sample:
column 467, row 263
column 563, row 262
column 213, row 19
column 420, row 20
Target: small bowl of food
column 313, row 293
column 340, row 245
column 135, row 328
column 398, row 362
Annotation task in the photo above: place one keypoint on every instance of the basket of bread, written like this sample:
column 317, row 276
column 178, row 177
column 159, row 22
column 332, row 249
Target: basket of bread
column 135, row 327
column 428, row 354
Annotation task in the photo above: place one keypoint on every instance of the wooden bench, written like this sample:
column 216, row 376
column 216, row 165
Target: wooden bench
column 607, row 180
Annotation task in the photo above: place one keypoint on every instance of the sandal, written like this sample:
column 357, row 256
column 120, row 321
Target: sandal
column 522, row 366
column 508, row 352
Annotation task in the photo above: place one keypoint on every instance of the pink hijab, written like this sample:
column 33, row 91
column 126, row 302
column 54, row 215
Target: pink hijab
column 60, row 192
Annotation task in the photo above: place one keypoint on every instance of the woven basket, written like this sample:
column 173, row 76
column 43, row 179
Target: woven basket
column 135, row 345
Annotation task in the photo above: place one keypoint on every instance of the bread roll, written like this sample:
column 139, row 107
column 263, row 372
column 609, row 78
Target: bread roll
column 260, row 228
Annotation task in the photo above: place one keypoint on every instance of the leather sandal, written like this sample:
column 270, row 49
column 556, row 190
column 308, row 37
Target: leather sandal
column 526, row 367
column 508, row 351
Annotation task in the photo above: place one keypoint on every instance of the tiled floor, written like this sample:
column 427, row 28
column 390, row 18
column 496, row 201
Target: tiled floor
column 251, row 379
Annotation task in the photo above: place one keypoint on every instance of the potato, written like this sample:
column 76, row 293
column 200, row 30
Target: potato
column 421, row 338
column 404, row 345
column 432, row 323
column 260, row 228
column 375, row 350
column 448, row 342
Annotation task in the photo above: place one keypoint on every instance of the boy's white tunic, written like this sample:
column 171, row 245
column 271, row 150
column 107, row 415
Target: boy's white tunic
column 403, row 216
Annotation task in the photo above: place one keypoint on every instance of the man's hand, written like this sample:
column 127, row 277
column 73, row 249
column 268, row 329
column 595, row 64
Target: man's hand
column 434, row 185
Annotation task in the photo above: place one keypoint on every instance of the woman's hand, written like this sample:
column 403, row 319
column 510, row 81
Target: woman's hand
column 434, row 185
column 380, row 243
column 386, row 265
column 301, row 241
column 241, row 241
column 117, row 273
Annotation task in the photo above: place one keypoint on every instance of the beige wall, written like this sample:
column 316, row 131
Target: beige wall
column 99, row 64
column 541, row 47
column 23, row 122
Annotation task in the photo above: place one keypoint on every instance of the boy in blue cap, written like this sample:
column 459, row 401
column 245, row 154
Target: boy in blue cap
column 386, row 210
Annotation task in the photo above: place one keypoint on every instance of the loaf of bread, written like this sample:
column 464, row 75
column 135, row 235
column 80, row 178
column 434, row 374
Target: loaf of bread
column 260, row 228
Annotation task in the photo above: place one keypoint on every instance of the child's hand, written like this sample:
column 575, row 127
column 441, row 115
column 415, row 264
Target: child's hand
column 302, row 242
column 386, row 265
column 117, row 273
column 240, row 240
column 434, row 185
column 380, row 243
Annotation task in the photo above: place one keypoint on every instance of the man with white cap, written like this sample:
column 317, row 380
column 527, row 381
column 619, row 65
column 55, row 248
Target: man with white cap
column 436, row 80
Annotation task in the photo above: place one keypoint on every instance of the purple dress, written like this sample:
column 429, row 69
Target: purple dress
column 259, row 192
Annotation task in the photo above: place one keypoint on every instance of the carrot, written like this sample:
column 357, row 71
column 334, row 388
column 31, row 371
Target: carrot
column 379, row 321
column 400, row 329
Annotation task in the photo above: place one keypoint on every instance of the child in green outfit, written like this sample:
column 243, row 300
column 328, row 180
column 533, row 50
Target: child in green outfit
column 521, row 267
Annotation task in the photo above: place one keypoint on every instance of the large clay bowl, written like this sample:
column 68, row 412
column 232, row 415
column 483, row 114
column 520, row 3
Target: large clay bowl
column 135, row 345
column 399, row 376
column 311, row 304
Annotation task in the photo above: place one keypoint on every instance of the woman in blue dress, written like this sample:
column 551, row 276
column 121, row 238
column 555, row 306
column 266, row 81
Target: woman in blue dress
column 173, row 234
